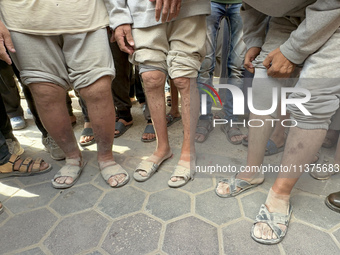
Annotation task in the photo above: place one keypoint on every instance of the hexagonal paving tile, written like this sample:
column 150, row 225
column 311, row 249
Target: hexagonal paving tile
column 8, row 188
column 317, row 187
column 137, row 234
column 4, row 214
column 31, row 197
column 122, row 201
column 252, row 202
column 190, row 236
column 35, row 251
column 76, row 199
column 158, row 182
column 302, row 239
column 25, row 229
column 216, row 209
column 337, row 235
column 94, row 253
column 237, row 240
column 168, row 204
column 313, row 210
column 76, row 233
column 200, row 183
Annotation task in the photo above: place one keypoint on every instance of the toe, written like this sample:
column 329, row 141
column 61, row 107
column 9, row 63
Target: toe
column 223, row 188
column 68, row 180
column 61, row 180
column 112, row 181
column 258, row 230
column 174, row 179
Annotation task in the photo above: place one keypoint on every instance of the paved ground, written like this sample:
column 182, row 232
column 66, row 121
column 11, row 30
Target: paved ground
column 150, row 218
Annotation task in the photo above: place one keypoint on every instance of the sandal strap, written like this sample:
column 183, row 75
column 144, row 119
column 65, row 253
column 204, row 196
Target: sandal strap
column 147, row 166
column 273, row 219
column 69, row 170
column 25, row 164
column 235, row 183
column 14, row 158
column 36, row 165
column 181, row 171
column 111, row 170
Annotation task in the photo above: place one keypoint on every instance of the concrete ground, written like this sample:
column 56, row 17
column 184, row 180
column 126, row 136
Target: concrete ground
column 150, row 217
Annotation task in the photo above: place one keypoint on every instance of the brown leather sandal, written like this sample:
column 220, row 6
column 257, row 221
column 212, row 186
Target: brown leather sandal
column 7, row 170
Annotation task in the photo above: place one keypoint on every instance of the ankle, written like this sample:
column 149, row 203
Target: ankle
column 251, row 177
column 277, row 202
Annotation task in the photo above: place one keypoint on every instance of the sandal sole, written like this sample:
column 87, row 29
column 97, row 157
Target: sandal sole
column 14, row 174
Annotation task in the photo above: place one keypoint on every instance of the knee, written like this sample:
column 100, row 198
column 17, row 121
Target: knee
column 153, row 80
column 97, row 91
column 182, row 83
column 45, row 95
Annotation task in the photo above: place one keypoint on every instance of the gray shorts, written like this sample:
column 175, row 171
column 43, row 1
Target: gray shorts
column 68, row 60
column 319, row 75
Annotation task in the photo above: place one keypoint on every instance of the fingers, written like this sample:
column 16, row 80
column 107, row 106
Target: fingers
column 175, row 7
column 3, row 54
column 158, row 9
column 248, row 65
column 9, row 43
column 112, row 37
column 165, row 11
column 268, row 60
column 276, row 71
column 124, row 38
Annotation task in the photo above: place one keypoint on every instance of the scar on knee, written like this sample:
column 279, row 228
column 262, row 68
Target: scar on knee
column 300, row 145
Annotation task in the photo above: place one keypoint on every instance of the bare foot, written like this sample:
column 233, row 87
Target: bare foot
column 148, row 136
column 68, row 179
column 186, row 160
column 125, row 124
column 237, row 138
column 116, row 179
column 157, row 157
column 275, row 203
column 84, row 138
column 252, row 178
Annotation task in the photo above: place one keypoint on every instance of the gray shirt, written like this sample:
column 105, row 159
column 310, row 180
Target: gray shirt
column 141, row 13
column 318, row 21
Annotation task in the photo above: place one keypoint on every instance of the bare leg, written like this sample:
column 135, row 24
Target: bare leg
column 154, row 82
column 257, row 138
column 51, row 105
column 190, row 110
column 174, row 111
column 299, row 150
column 99, row 101
column 278, row 136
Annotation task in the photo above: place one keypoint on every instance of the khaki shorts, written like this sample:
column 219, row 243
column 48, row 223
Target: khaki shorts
column 68, row 60
column 176, row 48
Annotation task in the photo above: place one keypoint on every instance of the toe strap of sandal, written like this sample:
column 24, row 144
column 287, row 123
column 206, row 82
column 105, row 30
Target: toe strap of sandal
column 235, row 183
column 147, row 166
column 68, row 171
column 111, row 170
column 25, row 164
column 181, row 171
column 273, row 220
column 36, row 165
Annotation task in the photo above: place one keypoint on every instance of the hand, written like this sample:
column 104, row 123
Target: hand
column 174, row 6
column 251, row 54
column 278, row 66
column 124, row 39
column 5, row 42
